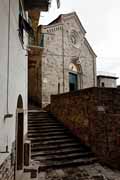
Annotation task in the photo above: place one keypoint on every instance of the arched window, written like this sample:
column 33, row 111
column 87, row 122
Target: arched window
column 75, row 77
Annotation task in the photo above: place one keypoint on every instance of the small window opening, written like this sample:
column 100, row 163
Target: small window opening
column 103, row 84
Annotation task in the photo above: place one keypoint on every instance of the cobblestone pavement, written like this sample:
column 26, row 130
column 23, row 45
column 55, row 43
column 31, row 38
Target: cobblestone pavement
column 90, row 172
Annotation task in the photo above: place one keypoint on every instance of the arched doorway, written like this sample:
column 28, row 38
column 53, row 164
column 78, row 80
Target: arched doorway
column 75, row 77
column 19, row 134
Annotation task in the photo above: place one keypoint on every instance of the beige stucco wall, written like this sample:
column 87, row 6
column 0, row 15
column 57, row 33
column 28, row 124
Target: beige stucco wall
column 17, row 73
column 108, row 82
column 58, row 49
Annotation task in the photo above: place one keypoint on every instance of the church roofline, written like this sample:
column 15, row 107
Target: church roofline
column 55, row 20
column 60, row 21
column 75, row 14
column 89, row 47
column 61, row 17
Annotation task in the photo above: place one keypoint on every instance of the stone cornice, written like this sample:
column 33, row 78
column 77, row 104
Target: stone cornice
column 64, row 17
column 52, row 25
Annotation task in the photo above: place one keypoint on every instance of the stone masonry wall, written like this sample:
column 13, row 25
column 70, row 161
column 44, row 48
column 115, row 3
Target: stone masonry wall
column 93, row 115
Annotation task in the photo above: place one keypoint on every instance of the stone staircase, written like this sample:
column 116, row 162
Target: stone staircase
column 52, row 145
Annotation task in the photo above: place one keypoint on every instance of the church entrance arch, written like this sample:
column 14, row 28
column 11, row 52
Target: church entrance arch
column 19, row 134
column 75, row 77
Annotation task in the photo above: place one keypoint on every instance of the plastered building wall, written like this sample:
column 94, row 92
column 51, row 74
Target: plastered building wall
column 108, row 82
column 17, row 73
column 59, row 52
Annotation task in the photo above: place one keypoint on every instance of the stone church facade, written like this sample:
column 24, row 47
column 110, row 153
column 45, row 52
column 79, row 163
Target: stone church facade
column 66, row 61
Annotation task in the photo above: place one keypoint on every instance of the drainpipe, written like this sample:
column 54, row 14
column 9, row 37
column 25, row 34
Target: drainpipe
column 8, row 115
column 63, row 57
column 94, row 72
column 8, row 60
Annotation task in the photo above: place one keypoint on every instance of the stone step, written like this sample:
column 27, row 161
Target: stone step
column 51, row 142
column 51, row 134
column 55, row 146
column 68, row 163
column 38, row 114
column 58, row 151
column 64, row 157
column 42, row 120
column 48, row 130
column 39, row 117
column 48, row 138
column 44, row 127
column 35, row 118
column 44, row 124
column 58, row 146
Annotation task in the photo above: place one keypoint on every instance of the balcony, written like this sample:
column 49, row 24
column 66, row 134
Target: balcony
column 42, row 5
column 38, row 44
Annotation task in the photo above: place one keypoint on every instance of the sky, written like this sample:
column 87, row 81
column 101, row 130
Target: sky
column 101, row 20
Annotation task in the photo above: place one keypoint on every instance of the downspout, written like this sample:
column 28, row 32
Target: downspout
column 63, row 58
column 8, row 61
column 94, row 72
column 8, row 115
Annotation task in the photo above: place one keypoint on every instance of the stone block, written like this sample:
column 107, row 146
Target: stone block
column 27, row 153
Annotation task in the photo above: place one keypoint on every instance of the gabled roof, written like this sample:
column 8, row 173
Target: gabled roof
column 62, row 17
column 60, row 20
